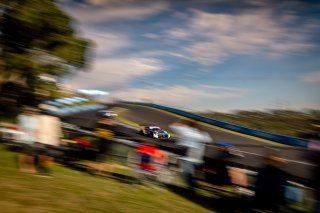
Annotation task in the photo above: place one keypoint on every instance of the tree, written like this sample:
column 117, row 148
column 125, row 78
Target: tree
column 36, row 38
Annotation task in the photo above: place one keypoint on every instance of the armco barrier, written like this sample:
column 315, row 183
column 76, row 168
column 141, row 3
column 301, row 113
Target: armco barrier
column 287, row 140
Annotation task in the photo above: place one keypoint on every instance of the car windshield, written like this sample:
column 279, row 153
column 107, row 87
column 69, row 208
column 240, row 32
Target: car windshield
column 105, row 111
column 155, row 128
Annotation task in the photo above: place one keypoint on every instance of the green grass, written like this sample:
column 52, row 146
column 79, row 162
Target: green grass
column 73, row 191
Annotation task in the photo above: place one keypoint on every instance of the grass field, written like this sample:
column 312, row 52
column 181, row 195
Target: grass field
column 73, row 191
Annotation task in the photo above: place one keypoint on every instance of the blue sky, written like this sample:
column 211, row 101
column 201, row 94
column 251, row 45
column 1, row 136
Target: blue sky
column 203, row 54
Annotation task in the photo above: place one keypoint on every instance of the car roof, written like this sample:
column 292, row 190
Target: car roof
column 104, row 110
column 152, row 127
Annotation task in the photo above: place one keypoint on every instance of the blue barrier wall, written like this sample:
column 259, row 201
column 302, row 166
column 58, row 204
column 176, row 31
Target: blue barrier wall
column 287, row 140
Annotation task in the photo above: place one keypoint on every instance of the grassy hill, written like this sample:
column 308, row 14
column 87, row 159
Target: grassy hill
column 73, row 191
column 285, row 122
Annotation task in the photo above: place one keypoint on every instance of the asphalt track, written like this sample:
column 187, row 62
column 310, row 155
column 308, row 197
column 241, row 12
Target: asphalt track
column 252, row 147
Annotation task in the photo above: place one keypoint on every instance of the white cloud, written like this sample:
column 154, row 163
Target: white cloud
column 180, row 15
column 313, row 77
column 109, row 73
column 107, row 42
column 179, row 95
column 102, row 11
column 206, row 53
column 178, row 33
column 151, row 35
column 218, row 36
column 225, row 88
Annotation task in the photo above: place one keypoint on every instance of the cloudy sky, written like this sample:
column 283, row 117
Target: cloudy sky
column 203, row 54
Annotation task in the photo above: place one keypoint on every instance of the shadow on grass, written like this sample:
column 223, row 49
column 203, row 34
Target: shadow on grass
column 75, row 166
column 212, row 199
column 114, row 176
column 213, row 203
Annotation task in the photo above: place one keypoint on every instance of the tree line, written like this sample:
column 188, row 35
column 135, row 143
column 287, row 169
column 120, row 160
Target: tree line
column 284, row 122
column 36, row 38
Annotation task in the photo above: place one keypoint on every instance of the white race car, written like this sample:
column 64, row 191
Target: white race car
column 107, row 114
column 154, row 132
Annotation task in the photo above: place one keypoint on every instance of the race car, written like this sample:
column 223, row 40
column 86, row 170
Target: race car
column 154, row 132
column 107, row 114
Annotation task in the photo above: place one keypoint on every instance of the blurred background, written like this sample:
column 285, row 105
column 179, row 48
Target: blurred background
column 232, row 58
column 116, row 75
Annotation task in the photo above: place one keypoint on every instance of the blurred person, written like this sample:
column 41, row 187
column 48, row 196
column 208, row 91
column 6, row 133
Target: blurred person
column 238, row 177
column 148, row 157
column 314, row 155
column 216, row 168
column 161, row 159
column 49, row 134
column 105, row 129
column 270, row 182
column 148, row 160
column 28, row 124
column 191, row 137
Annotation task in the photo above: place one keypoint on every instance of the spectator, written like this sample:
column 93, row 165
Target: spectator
column 148, row 163
column 216, row 170
column 269, row 193
column 48, row 139
column 105, row 129
column 194, row 139
column 314, row 156
column 28, row 124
